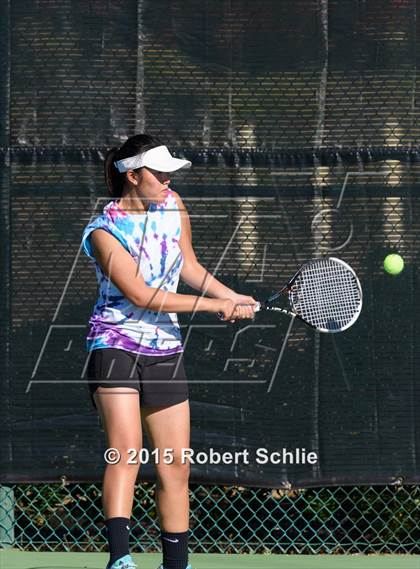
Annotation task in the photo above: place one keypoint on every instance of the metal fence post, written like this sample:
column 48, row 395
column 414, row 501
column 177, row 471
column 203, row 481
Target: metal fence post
column 7, row 517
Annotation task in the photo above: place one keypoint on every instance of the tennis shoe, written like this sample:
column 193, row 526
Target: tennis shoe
column 125, row 562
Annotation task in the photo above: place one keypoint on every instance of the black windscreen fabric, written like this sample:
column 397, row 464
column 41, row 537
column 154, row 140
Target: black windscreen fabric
column 301, row 121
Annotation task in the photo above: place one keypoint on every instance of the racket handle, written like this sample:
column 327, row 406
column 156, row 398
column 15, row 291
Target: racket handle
column 256, row 309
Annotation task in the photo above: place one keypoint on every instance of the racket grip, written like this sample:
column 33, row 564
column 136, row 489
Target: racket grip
column 256, row 309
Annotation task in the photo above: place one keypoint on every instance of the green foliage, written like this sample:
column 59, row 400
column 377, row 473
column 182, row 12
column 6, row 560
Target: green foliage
column 228, row 519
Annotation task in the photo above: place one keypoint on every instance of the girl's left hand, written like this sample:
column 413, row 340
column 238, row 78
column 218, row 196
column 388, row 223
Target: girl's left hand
column 244, row 305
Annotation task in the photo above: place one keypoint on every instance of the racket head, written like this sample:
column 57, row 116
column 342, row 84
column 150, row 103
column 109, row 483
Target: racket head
column 326, row 294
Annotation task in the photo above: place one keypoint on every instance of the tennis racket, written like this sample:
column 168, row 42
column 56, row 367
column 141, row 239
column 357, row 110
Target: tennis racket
column 324, row 293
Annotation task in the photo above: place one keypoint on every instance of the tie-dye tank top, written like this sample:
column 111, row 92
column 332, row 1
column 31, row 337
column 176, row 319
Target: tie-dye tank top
column 152, row 239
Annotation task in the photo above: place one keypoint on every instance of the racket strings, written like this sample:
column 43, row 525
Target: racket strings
column 326, row 295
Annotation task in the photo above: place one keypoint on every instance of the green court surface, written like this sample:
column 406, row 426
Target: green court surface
column 15, row 559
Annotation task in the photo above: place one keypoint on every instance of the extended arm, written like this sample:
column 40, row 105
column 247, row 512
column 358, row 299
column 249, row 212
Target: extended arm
column 193, row 273
column 119, row 266
column 198, row 277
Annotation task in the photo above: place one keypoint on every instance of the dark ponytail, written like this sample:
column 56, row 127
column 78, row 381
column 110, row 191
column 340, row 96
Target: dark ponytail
column 136, row 144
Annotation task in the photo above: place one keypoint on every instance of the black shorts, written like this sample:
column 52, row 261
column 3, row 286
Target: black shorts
column 160, row 380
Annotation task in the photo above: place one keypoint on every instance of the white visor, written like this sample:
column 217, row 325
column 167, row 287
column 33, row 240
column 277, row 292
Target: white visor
column 158, row 158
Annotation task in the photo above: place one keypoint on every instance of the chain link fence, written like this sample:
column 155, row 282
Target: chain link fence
column 224, row 519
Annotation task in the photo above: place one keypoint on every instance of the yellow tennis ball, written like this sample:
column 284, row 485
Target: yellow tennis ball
column 393, row 264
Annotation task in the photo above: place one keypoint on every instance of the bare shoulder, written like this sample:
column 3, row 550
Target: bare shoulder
column 181, row 205
column 185, row 220
column 100, row 237
column 103, row 242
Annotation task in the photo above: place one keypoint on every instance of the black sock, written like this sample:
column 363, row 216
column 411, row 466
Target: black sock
column 118, row 535
column 175, row 550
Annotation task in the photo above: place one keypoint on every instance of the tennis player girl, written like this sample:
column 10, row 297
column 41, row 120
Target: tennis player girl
column 141, row 246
